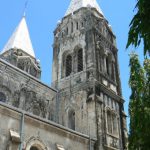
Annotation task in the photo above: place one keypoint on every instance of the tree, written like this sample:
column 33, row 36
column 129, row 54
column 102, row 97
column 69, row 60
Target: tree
column 140, row 26
column 139, row 105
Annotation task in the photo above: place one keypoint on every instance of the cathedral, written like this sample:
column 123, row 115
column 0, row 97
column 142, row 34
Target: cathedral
column 83, row 109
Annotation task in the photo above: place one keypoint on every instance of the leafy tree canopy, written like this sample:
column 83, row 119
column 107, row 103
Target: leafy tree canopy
column 140, row 26
column 139, row 106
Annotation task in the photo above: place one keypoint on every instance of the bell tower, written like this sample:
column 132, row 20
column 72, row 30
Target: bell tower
column 86, row 75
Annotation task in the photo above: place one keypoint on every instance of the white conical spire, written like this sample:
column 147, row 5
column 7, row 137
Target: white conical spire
column 77, row 4
column 20, row 39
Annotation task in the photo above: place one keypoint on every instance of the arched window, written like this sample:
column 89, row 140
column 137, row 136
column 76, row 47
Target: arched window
column 68, row 65
column 115, row 124
column 35, row 144
column 80, row 60
column 82, row 24
column 77, row 25
column 109, row 122
column 107, row 65
column 33, row 71
column 71, row 26
column 67, row 31
column 71, row 119
column 20, row 66
column 34, row 148
column 112, row 71
column 112, row 123
column 36, row 110
column 2, row 97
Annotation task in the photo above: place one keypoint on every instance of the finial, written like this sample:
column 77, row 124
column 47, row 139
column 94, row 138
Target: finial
column 25, row 7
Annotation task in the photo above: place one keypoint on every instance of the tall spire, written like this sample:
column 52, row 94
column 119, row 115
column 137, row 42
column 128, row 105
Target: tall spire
column 20, row 39
column 77, row 4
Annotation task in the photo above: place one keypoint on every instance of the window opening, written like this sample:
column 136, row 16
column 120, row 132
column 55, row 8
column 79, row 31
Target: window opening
column 62, row 34
column 107, row 65
column 2, row 97
column 21, row 66
column 33, row 71
column 109, row 122
column 112, row 68
column 97, row 90
column 77, row 25
column 112, row 123
column 68, row 65
column 82, row 24
column 71, row 120
column 80, row 60
column 71, row 26
column 115, row 130
column 67, row 31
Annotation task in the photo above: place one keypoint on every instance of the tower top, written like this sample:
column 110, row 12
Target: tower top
column 20, row 39
column 77, row 4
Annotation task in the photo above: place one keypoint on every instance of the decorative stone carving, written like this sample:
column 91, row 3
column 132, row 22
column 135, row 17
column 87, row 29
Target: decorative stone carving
column 90, row 75
column 90, row 94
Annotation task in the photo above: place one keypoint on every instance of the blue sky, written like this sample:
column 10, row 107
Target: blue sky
column 42, row 17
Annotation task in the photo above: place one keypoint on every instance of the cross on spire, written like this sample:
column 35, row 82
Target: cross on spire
column 77, row 4
column 25, row 7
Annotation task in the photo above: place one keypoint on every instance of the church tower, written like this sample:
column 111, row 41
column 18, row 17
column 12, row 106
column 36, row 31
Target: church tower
column 19, row 51
column 86, row 75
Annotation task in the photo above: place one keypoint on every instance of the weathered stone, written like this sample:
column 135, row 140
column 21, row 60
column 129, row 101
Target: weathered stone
column 86, row 111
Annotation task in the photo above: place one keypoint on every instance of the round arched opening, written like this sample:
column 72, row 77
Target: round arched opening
column 35, row 144
column 34, row 148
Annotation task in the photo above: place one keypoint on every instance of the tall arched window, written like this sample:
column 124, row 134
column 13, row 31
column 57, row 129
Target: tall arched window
column 107, row 65
column 71, row 119
column 2, row 97
column 109, row 121
column 115, row 124
column 80, row 60
column 77, row 25
column 67, row 31
column 112, row 123
column 68, row 65
column 112, row 71
column 71, row 27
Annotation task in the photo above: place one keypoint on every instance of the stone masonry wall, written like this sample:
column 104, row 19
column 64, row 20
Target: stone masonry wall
column 26, row 92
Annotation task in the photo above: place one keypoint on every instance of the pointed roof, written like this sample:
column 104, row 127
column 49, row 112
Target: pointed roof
column 77, row 4
column 20, row 39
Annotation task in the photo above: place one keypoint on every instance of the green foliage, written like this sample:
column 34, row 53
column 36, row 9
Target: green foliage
column 140, row 26
column 139, row 106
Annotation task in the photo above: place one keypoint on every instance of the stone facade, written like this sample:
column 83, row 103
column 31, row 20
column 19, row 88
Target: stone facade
column 26, row 92
column 83, row 109
column 89, row 87
column 37, row 132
